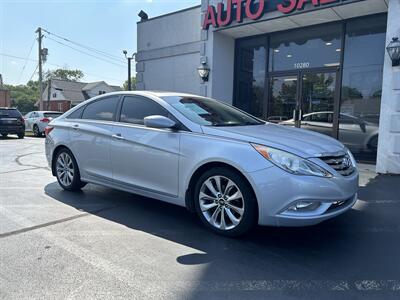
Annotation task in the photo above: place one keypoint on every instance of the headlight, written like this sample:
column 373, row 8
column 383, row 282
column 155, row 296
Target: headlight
column 290, row 162
column 353, row 161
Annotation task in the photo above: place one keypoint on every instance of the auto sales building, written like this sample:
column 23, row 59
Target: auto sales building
column 316, row 64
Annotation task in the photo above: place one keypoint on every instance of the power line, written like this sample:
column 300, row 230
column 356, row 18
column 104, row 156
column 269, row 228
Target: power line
column 86, row 53
column 97, row 51
column 26, row 60
column 59, row 66
column 33, row 74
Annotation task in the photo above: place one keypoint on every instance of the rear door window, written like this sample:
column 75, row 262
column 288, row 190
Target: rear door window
column 102, row 110
column 76, row 114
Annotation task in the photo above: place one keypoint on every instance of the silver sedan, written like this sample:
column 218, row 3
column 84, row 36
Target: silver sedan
column 229, row 167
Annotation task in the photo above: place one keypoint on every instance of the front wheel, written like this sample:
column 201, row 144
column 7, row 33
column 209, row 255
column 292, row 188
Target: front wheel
column 67, row 171
column 21, row 135
column 225, row 202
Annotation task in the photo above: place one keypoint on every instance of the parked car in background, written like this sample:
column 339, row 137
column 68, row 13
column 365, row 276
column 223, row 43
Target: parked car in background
column 276, row 119
column 11, row 122
column 36, row 121
column 231, row 168
column 356, row 133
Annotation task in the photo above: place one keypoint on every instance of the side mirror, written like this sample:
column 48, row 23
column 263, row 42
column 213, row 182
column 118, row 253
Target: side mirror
column 158, row 122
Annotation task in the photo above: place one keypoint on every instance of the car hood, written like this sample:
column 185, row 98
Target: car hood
column 298, row 141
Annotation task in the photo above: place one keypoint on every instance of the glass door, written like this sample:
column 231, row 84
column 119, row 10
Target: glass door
column 283, row 102
column 304, row 99
column 317, row 101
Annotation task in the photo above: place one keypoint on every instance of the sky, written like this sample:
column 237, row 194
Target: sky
column 105, row 25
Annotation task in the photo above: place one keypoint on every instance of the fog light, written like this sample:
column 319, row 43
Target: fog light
column 304, row 206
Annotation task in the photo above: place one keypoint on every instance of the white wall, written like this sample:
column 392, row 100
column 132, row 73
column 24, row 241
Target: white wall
column 170, row 30
column 169, row 52
column 222, row 67
column 176, row 73
column 388, row 160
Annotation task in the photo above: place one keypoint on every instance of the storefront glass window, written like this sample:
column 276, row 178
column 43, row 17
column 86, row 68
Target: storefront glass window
column 362, row 86
column 251, row 67
column 306, row 48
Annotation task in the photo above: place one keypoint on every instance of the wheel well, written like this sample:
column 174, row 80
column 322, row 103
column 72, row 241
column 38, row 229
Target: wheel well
column 189, row 197
column 56, row 150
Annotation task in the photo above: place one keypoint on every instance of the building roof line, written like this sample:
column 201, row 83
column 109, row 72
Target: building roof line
column 168, row 14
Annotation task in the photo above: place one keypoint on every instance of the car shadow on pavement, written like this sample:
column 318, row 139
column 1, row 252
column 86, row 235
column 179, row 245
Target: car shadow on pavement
column 353, row 246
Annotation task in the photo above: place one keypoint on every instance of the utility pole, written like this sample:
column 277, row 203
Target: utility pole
column 129, row 58
column 129, row 74
column 40, row 36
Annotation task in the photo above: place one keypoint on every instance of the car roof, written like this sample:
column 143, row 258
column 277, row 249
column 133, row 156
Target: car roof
column 158, row 94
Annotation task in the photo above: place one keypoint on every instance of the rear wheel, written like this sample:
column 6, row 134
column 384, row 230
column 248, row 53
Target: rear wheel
column 67, row 171
column 36, row 131
column 225, row 202
column 4, row 135
column 21, row 135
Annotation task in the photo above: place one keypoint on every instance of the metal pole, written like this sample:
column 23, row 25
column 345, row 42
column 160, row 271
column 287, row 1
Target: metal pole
column 40, row 36
column 129, row 74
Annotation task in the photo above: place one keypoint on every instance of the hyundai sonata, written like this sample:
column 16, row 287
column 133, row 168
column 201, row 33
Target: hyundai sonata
column 229, row 167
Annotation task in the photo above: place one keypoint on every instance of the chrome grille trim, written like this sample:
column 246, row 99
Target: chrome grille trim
column 337, row 162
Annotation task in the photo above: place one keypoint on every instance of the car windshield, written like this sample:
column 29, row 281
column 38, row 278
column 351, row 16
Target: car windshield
column 210, row 112
column 52, row 115
column 9, row 113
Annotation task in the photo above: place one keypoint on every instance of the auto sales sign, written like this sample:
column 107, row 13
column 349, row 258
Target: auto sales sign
column 236, row 10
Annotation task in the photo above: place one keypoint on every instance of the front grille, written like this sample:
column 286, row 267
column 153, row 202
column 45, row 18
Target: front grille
column 341, row 163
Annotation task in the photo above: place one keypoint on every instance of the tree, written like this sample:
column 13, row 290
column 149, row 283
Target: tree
column 24, row 96
column 64, row 74
column 133, row 81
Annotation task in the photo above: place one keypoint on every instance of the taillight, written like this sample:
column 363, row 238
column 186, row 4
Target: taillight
column 45, row 120
column 48, row 129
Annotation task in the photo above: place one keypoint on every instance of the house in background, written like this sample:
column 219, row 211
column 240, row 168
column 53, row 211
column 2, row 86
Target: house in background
column 67, row 94
column 5, row 100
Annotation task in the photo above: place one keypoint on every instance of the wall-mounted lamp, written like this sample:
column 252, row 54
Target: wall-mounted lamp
column 393, row 50
column 204, row 71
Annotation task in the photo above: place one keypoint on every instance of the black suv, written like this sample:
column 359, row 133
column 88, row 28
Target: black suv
column 11, row 122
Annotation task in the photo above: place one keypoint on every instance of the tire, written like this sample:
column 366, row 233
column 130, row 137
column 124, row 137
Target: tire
column 373, row 143
column 21, row 135
column 36, row 131
column 68, row 177
column 239, row 214
column 4, row 135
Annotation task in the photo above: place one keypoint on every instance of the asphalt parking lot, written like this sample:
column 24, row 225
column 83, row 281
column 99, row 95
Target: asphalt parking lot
column 103, row 243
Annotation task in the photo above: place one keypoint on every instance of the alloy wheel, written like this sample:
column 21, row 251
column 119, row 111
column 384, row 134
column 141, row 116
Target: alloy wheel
column 36, row 130
column 221, row 202
column 65, row 169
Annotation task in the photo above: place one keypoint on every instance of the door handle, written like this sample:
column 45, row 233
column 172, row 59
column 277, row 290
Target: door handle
column 75, row 126
column 118, row 136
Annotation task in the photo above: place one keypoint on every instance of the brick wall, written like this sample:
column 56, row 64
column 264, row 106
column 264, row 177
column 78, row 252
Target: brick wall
column 5, row 98
column 57, row 105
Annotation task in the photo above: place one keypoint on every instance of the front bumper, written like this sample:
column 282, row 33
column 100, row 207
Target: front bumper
column 277, row 190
